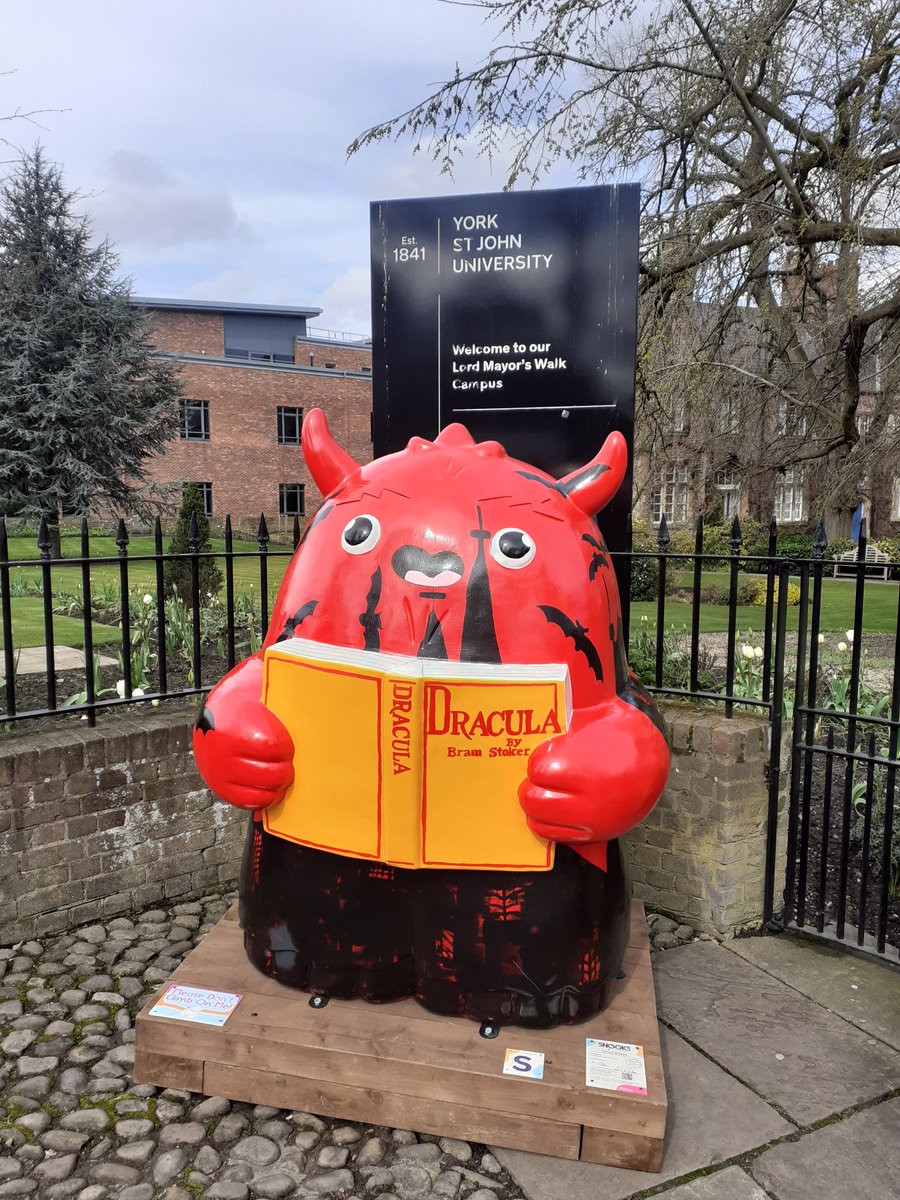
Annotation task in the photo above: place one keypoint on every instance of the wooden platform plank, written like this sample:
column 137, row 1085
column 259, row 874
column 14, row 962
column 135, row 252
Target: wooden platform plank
column 616, row 1149
column 275, row 1049
column 383, row 1107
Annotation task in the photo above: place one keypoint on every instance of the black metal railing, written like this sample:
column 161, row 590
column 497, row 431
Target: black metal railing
column 835, row 720
column 141, row 625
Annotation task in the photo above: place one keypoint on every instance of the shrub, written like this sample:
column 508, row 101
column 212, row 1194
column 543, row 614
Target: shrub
column 794, row 547
column 759, row 597
column 717, row 542
column 177, row 571
column 720, row 593
column 839, row 546
column 644, row 571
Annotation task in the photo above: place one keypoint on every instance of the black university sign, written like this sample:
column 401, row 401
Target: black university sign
column 514, row 313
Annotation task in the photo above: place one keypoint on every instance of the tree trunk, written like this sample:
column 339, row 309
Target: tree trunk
column 52, row 519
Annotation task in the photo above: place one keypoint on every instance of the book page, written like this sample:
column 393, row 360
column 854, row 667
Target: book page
column 334, row 716
column 477, row 740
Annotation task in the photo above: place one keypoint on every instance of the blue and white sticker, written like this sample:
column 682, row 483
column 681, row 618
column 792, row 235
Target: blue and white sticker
column 527, row 1064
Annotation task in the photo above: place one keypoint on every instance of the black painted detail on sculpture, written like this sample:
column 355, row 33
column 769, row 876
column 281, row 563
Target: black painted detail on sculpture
column 547, row 483
column 205, row 720
column 319, row 516
column 371, row 619
column 638, row 697
column 414, row 558
column 583, row 478
column 290, row 625
column 620, row 658
column 433, row 645
column 578, row 633
column 479, row 637
column 302, row 910
column 598, row 559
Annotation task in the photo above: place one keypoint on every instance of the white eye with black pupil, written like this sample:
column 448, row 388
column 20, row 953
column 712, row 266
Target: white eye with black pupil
column 361, row 534
column 512, row 548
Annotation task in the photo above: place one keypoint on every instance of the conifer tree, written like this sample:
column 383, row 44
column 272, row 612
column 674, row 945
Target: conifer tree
column 178, row 573
column 84, row 402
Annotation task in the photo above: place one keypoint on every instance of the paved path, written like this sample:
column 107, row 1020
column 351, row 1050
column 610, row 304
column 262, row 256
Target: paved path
column 782, row 1060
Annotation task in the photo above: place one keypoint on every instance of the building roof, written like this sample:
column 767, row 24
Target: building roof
column 229, row 306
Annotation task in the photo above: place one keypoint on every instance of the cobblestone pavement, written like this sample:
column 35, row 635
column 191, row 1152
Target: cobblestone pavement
column 72, row 1123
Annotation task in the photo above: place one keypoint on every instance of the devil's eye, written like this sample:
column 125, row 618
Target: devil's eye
column 512, row 548
column 361, row 534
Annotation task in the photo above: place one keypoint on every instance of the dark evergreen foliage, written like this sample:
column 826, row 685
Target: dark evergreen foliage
column 84, row 401
column 178, row 571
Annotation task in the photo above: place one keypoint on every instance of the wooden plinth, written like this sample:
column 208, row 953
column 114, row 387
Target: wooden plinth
column 400, row 1065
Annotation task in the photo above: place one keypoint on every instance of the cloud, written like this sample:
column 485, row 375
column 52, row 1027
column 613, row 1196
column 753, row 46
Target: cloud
column 346, row 303
column 143, row 206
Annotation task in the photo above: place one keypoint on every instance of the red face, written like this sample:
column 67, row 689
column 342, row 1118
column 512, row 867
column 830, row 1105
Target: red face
column 452, row 550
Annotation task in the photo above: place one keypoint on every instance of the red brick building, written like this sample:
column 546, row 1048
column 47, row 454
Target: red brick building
column 251, row 371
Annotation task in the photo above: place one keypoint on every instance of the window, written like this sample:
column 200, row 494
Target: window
column 679, row 415
column 670, row 495
column 729, row 414
column 261, row 337
column 292, row 499
column 790, row 420
column 206, row 493
column 290, row 421
column 729, row 485
column 789, row 495
column 195, row 420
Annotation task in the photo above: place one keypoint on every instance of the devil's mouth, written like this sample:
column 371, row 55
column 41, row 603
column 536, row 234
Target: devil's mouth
column 418, row 567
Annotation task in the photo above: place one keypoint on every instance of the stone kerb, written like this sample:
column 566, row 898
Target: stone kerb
column 96, row 822
column 700, row 855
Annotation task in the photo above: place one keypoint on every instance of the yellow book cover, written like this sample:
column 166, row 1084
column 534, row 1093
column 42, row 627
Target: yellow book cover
column 412, row 762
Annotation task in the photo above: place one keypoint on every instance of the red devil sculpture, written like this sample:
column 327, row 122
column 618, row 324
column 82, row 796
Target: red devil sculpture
column 452, row 550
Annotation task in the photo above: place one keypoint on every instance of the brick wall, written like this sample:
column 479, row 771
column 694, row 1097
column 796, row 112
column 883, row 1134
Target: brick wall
column 107, row 821
column 188, row 332
column 700, row 855
column 116, row 818
column 242, row 459
column 320, row 354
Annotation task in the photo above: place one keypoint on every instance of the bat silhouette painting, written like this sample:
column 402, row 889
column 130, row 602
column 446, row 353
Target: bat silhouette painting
column 451, row 550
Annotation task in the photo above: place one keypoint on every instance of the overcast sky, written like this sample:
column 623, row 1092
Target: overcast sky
column 210, row 135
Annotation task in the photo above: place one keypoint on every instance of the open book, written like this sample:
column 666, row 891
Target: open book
column 412, row 762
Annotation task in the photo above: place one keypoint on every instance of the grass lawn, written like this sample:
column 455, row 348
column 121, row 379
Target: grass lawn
column 838, row 599
column 28, row 611
column 140, row 574
column 28, row 627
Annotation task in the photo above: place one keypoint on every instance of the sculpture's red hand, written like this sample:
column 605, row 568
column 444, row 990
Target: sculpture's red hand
column 242, row 750
column 597, row 781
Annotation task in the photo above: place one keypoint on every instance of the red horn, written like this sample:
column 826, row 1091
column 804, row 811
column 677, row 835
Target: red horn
column 329, row 464
column 592, row 487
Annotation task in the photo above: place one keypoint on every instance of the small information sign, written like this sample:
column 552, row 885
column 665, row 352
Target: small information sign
column 196, row 1004
column 617, row 1066
column 527, row 1064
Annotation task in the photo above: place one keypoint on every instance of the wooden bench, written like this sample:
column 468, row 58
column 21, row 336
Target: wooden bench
column 877, row 563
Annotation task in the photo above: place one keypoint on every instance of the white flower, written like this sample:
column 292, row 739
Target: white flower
column 821, row 639
column 154, row 704
column 850, row 636
column 148, row 599
column 758, row 652
column 747, row 651
column 138, row 692
column 120, row 688
column 842, row 646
